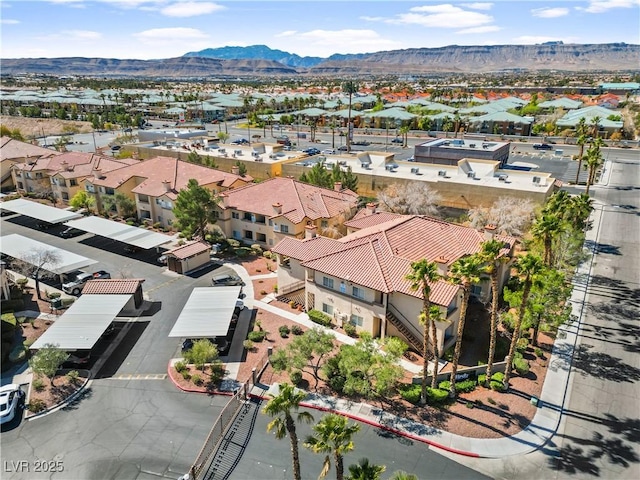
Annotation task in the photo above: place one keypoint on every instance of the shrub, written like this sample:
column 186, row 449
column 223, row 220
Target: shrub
column 232, row 243
column 275, row 288
column 243, row 251
column 180, row 366
column 248, row 344
column 263, row 292
column 491, row 401
column 131, row 223
column 296, row 377
column 470, row 405
column 448, row 355
column 256, row 336
column 297, row 330
column 217, row 372
column 73, row 376
column 350, row 329
column 157, row 225
column 68, row 301
column 337, row 383
column 36, row 405
column 482, row 378
column 256, row 249
column 37, row 384
column 18, row 354
column 197, row 379
column 437, row 396
column 267, row 254
column 497, row 380
column 186, row 375
column 410, row 392
column 539, row 353
column 522, row 344
column 521, row 366
column 463, row 386
column 320, row 318
column 284, row 331
column 53, row 295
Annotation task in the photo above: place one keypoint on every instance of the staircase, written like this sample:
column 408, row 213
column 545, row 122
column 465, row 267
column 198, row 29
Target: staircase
column 413, row 341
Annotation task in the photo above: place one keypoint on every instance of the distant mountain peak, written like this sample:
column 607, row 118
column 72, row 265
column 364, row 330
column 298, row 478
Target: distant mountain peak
column 254, row 52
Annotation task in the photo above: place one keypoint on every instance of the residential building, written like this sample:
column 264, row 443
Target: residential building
column 361, row 278
column 266, row 212
column 63, row 174
column 154, row 185
column 13, row 152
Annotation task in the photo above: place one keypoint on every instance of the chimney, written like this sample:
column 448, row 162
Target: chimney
column 371, row 208
column 277, row 208
column 224, row 198
column 167, row 185
column 441, row 262
column 310, row 231
column 235, row 169
column 96, row 172
column 64, row 165
column 489, row 231
column 337, row 186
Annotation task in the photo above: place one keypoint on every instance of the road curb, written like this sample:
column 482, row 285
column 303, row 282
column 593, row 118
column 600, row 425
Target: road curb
column 192, row 390
column 63, row 403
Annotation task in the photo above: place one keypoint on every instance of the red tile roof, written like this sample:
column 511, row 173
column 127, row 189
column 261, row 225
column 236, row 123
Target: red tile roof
column 15, row 149
column 76, row 164
column 299, row 200
column 113, row 286
column 364, row 218
column 188, row 250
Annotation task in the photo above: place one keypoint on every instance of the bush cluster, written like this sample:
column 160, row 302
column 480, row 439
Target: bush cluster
column 197, row 379
column 437, row 396
column 463, row 386
column 37, row 384
column 296, row 330
column 410, row 392
column 520, row 364
column 296, row 377
column 257, row 336
column 180, row 366
column 350, row 329
column 36, row 405
column 284, row 331
column 320, row 318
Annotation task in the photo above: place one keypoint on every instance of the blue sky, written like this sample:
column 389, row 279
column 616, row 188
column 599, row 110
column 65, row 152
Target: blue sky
column 145, row 29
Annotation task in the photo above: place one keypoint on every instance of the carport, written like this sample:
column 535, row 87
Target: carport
column 121, row 232
column 24, row 248
column 39, row 211
column 82, row 325
column 207, row 313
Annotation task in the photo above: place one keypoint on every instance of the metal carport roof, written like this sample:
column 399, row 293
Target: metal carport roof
column 81, row 326
column 207, row 313
column 39, row 211
column 121, row 232
column 24, row 248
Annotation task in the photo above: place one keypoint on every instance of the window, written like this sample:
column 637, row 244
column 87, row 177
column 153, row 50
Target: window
column 327, row 282
column 235, row 215
column 28, row 175
column 73, row 182
column 324, row 224
column 328, row 309
column 160, row 218
column 270, row 223
column 246, row 216
column 145, row 214
column 261, row 237
column 260, row 219
column 343, row 287
column 20, row 186
column 248, row 234
column 90, row 188
column 143, row 198
column 284, row 228
column 109, row 191
column 358, row 292
column 476, row 290
column 236, row 234
column 65, row 196
column 167, row 205
column 357, row 320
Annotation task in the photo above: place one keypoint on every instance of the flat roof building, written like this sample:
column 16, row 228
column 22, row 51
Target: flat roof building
column 449, row 151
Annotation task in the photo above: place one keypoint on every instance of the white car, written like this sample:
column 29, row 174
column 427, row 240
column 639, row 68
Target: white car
column 11, row 396
column 328, row 151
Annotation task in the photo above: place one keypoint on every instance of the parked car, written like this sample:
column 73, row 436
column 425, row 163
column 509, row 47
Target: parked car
column 80, row 358
column 128, row 130
column 71, row 232
column 226, row 279
column 77, row 282
column 311, row 151
column 542, row 146
column 342, row 148
column 162, row 259
column 132, row 249
column 240, row 141
column 328, row 151
column 42, row 225
column 11, row 398
column 361, row 143
column 115, row 148
column 397, row 140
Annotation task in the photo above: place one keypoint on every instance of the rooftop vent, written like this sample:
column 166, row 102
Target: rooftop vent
column 415, row 170
column 442, row 173
column 536, row 180
column 471, row 174
column 503, row 178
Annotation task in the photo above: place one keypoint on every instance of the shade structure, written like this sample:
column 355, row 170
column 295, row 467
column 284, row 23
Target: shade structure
column 28, row 250
column 207, row 313
column 139, row 237
column 82, row 325
column 39, row 211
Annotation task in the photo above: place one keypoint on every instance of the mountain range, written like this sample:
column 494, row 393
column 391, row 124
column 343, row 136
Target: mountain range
column 262, row 61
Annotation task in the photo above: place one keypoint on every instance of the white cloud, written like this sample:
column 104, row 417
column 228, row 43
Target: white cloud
column 442, row 16
column 550, row 12
column 288, row 33
column 601, row 6
column 191, row 9
column 323, row 43
column 82, row 34
column 485, row 29
column 8, row 21
column 478, row 5
column 170, row 34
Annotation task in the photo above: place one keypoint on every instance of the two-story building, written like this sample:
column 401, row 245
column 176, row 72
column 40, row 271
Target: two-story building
column 14, row 152
column 266, row 212
column 361, row 278
column 154, row 185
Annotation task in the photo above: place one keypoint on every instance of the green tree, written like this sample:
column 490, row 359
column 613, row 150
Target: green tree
column 193, row 157
column 346, row 177
column 528, row 267
column 491, row 252
column 423, row 275
column 283, row 407
column 318, row 175
column 401, row 475
column 546, row 228
column 350, row 88
column 593, row 162
column 194, row 210
column 363, row 470
column 126, row 206
column 242, row 168
column 82, row 199
column 223, row 136
column 47, row 360
column 201, row 353
column 582, row 132
column 465, row 272
column 333, row 437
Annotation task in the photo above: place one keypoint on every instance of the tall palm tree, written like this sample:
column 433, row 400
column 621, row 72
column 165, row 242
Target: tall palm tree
column 465, row 272
column 349, row 87
column 579, row 210
column 583, row 137
column 593, row 161
column 491, row 253
column 595, row 127
column 281, row 407
column 332, row 436
column 527, row 267
column 423, row 274
column 363, row 470
column 546, row 228
column 401, row 475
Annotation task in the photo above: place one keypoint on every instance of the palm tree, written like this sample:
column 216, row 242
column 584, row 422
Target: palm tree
column 583, row 137
column 333, row 436
column 579, row 210
column 465, row 272
column 401, row 475
column 364, row 470
column 491, row 253
column 527, row 267
column 547, row 227
column 593, row 161
column 281, row 407
column 423, row 273
column 595, row 127
column 349, row 87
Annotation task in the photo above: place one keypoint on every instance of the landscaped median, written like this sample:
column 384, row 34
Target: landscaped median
column 49, row 395
column 204, row 378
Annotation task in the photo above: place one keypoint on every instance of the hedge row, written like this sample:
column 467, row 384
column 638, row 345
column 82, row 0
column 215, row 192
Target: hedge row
column 320, row 318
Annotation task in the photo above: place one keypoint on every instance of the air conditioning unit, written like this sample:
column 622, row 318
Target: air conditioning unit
column 222, row 151
column 415, row 170
column 442, row 173
column 536, row 180
column 471, row 174
column 503, row 178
